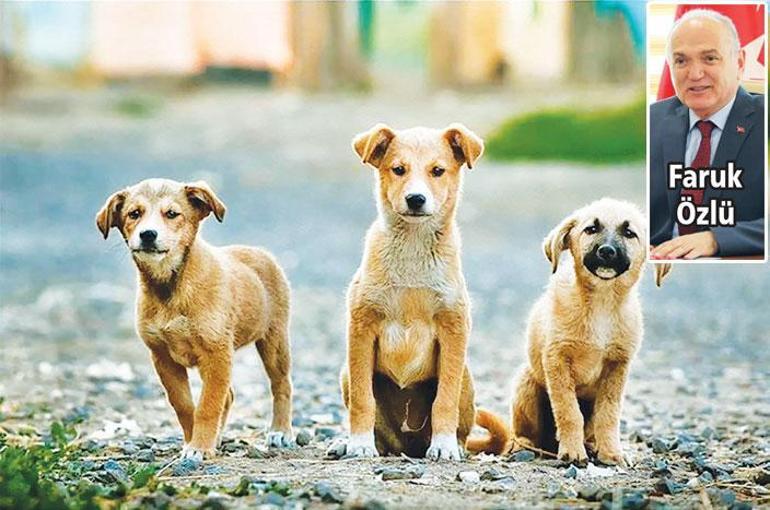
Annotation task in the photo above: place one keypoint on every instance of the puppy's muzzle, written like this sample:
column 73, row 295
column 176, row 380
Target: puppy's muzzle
column 148, row 239
column 415, row 202
column 607, row 260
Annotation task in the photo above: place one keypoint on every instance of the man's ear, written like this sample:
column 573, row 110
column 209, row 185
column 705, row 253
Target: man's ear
column 466, row 146
column 661, row 271
column 371, row 145
column 109, row 215
column 202, row 197
column 557, row 241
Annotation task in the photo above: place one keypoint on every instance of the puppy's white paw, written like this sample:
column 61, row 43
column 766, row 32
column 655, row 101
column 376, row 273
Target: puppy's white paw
column 279, row 439
column 188, row 452
column 444, row 447
column 361, row 445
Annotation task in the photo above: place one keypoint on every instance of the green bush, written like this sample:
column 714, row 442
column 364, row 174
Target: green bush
column 597, row 137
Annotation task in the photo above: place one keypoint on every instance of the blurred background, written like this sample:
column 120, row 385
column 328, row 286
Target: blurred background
column 261, row 100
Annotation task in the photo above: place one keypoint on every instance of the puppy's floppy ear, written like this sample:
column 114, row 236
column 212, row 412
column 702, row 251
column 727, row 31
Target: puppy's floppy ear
column 557, row 241
column 109, row 215
column 371, row 145
column 466, row 146
column 201, row 196
column 661, row 271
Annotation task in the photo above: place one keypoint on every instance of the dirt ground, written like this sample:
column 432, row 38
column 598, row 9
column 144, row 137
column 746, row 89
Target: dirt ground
column 696, row 421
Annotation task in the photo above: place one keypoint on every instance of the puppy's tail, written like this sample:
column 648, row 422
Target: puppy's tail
column 497, row 441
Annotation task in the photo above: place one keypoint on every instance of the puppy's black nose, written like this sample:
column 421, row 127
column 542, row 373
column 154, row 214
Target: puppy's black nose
column 415, row 201
column 148, row 236
column 607, row 252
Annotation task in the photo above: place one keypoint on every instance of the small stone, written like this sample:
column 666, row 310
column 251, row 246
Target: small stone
column 146, row 455
column 469, row 477
column 522, row 456
column 727, row 497
column 185, row 467
column 493, row 474
column 129, row 447
column 590, row 492
column 668, row 486
column 741, row 505
column 708, row 433
column 115, row 471
column 304, row 438
column 327, row 492
column 571, row 472
column 400, row 472
column 302, row 421
column 322, row 433
column 213, row 470
column 660, row 445
column 706, row 477
column 275, row 499
column 693, row 483
column 337, row 450
column 660, row 468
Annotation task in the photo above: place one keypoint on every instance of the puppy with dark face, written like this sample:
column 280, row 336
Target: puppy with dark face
column 582, row 334
column 197, row 304
column 406, row 383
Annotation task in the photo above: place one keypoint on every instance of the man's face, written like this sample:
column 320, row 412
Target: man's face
column 704, row 68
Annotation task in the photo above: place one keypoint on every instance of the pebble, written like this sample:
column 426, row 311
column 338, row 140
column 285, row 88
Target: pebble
column 494, row 474
column 629, row 500
column 660, row 445
column 590, row 492
column 185, row 467
column 302, row 421
column 146, row 455
column 571, row 472
column 469, row 477
column 304, row 438
column 706, row 477
column 115, row 471
column 213, row 470
column 327, row 492
column 522, row 456
column 322, row 433
column 337, row 450
column 275, row 499
column 129, row 447
column 668, row 486
column 400, row 472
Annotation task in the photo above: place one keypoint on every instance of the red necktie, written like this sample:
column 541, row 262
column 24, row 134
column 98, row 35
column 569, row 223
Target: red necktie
column 702, row 160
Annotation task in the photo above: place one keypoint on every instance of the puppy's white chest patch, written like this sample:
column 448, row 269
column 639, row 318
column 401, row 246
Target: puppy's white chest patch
column 407, row 353
column 177, row 335
column 602, row 329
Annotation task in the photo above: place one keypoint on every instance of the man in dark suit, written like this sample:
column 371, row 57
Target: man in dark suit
column 711, row 121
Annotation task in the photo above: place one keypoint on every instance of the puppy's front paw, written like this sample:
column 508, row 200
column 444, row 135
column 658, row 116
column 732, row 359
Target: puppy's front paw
column 197, row 454
column 361, row 445
column 279, row 439
column 611, row 457
column 572, row 451
column 444, row 447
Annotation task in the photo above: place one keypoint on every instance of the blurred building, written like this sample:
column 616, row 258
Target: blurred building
column 327, row 45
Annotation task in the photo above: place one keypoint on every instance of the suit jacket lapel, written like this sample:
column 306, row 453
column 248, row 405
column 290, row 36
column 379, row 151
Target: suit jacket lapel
column 674, row 142
column 731, row 140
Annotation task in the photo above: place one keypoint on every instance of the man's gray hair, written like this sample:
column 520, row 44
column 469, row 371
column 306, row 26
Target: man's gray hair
column 708, row 14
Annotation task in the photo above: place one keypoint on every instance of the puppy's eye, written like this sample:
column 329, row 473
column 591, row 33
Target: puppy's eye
column 399, row 170
column 171, row 214
column 591, row 229
column 437, row 171
column 134, row 215
column 629, row 234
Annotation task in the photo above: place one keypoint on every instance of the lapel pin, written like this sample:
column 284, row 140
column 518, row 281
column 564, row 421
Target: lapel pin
column 740, row 129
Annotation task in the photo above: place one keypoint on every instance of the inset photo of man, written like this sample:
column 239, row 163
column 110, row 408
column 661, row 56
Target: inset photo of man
column 707, row 131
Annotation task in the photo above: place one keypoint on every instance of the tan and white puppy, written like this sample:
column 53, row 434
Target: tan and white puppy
column 406, row 383
column 582, row 334
column 197, row 303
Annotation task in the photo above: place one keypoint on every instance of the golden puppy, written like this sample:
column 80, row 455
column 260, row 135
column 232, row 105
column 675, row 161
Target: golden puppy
column 197, row 303
column 582, row 334
column 406, row 383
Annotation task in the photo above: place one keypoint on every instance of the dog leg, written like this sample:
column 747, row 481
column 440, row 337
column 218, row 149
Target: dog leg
column 566, row 410
column 274, row 351
column 225, row 414
column 173, row 377
column 467, row 407
column 452, row 337
column 527, row 412
column 606, row 418
column 215, row 371
column 360, row 390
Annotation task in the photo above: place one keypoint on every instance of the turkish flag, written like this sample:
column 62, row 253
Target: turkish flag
column 749, row 22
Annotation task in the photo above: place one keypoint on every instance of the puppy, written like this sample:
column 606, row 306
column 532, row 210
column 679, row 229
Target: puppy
column 582, row 334
column 406, row 383
column 197, row 303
